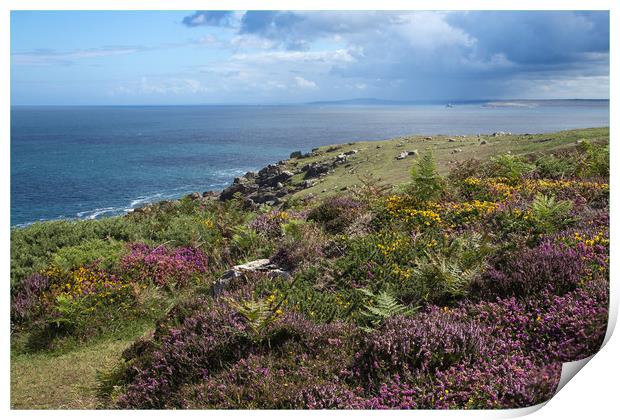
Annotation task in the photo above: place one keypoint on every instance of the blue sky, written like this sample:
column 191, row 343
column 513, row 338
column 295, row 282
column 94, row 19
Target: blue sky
column 201, row 57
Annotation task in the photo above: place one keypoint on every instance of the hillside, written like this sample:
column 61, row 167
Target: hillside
column 416, row 272
column 333, row 169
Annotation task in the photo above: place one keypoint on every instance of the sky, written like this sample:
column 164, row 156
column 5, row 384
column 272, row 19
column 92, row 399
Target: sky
column 273, row 57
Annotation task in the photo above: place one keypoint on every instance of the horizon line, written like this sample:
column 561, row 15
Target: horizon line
column 320, row 102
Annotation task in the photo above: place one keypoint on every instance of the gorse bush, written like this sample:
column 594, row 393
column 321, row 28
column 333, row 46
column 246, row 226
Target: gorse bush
column 33, row 247
column 77, row 304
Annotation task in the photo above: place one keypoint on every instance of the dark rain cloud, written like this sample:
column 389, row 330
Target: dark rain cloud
column 480, row 53
column 275, row 25
column 538, row 38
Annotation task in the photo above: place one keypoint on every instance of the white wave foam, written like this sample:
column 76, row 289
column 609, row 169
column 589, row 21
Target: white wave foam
column 144, row 199
column 230, row 172
column 93, row 214
column 141, row 200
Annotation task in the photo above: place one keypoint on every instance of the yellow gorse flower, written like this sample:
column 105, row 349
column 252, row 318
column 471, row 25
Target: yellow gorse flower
column 507, row 187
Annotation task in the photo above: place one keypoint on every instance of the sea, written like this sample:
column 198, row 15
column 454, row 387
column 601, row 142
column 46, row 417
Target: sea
column 95, row 161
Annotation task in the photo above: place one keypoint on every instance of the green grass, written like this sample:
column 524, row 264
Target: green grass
column 380, row 163
column 67, row 377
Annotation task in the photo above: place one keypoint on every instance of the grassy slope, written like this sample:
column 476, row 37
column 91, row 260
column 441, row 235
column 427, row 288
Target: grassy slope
column 66, row 379
column 62, row 381
column 381, row 164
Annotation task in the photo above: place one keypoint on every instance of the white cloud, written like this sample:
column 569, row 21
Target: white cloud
column 49, row 57
column 304, row 83
column 427, row 30
column 335, row 56
column 162, row 87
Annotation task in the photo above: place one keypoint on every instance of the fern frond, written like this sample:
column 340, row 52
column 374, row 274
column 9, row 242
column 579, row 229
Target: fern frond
column 258, row 314
column 382, row 306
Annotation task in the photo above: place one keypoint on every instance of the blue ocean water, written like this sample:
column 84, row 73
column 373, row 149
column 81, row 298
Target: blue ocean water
column 89, row 162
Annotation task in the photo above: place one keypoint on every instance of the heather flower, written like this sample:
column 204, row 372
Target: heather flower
column 206, row 340
column 574, row 325
column 494, row 381
column 25, row 297
column 330, row 395
column 549, row 266
column 418, row 345
column 394, row 394
column 205, row 343
column 163, row 266
column 270, row 224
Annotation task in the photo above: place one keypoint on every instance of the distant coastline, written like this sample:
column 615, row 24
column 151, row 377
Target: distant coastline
column 338, row 102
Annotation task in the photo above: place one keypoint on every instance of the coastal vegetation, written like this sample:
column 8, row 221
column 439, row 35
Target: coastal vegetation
column 459, row 275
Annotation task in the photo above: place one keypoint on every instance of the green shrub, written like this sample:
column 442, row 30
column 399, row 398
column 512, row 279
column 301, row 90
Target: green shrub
column 549, row 215
column 246, row 244
column 336, row 213
column 445, row 273
column 426, row 184
column 188, row 230
column 595, row 162
column 33, row 247
column 306, row 295
column 510, row 166
column 106, row 252
column 552, row 166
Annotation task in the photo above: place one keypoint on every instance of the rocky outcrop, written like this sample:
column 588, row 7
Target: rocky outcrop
column 314, row 170
column 263, row 266
column 241, row 186
column 274, row 182
column 266, row 186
